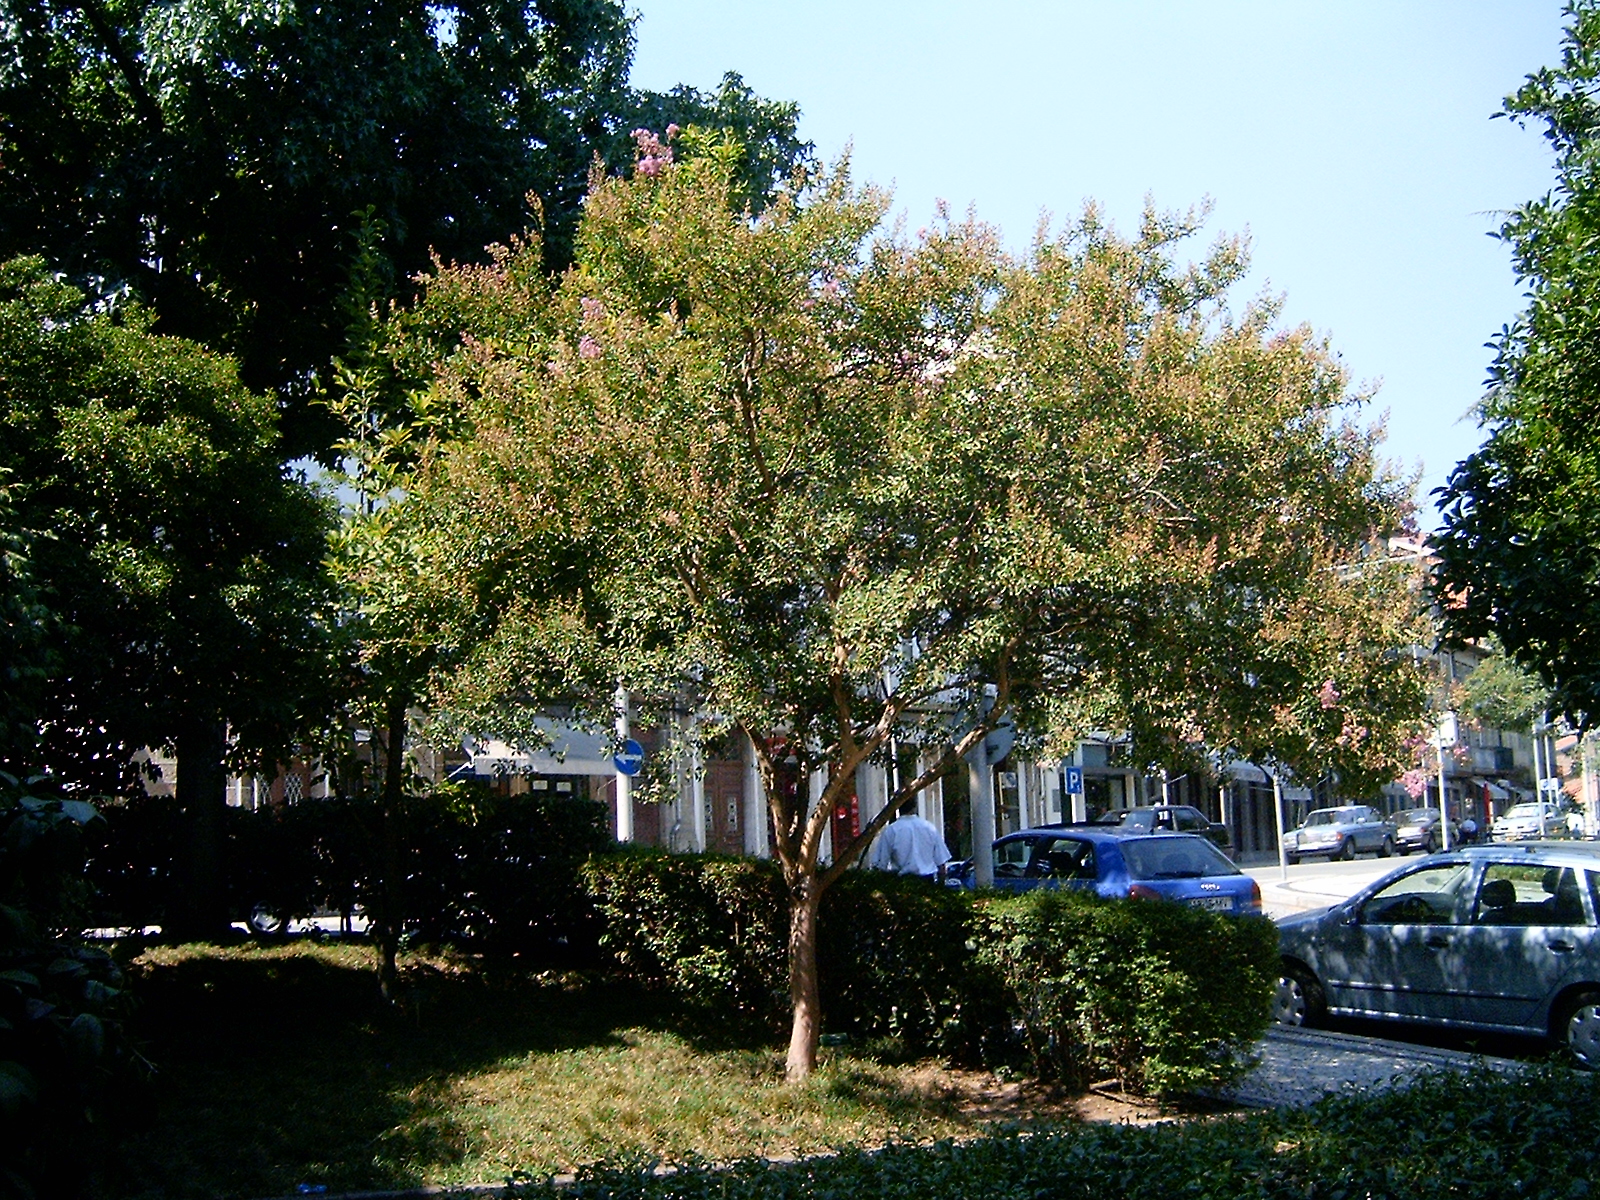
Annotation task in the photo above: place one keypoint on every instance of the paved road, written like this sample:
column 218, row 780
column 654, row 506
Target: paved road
column 1316, row 884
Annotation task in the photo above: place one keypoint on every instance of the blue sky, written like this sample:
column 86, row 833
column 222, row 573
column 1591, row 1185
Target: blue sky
column 1352, row 140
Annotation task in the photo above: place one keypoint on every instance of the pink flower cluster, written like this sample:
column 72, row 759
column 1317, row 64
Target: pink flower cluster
column 653, row 152
column 1415, row 783
column 588, row 347
column 593, row 310
column 1328, row 694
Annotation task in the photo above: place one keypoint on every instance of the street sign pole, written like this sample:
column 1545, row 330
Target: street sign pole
column 1445, row 733
column 624, row 779
column 1075, row 793
column 1277, row 816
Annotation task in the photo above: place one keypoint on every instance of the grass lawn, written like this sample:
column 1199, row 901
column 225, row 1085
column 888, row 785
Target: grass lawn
column 277, row 1066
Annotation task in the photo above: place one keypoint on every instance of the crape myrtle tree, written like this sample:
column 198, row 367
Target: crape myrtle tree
column 1519, row 544
column 227, row 160
column 839, row 485
column 175, row 583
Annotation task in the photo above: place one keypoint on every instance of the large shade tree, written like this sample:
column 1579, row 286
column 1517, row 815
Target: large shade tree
column 1519, row 544
column 840, row 486
column 229, row 161
column 175, row 587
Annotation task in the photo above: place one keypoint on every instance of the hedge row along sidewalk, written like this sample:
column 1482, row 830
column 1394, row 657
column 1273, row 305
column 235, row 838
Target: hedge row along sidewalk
column 1165, row 998
column 1534, row 1135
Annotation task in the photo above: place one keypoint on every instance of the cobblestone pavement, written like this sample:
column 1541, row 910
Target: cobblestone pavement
column 1300, row 1066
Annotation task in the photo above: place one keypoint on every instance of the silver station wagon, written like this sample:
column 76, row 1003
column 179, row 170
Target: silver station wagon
column 1486, row 937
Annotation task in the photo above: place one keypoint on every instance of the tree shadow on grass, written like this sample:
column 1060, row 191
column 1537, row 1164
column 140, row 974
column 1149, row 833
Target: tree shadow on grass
column 277, row 1066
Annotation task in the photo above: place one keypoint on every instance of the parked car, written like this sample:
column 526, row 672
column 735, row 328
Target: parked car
column 1489, row 937
column 1520, row 823
column 1156, row 866
column 1419, row 829
column 1342, row 832
column 1169, row 818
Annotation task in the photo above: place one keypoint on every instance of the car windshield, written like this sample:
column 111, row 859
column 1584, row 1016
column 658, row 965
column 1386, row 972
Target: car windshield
column 1184, row 857
column 1328, row 816
column 1131, row 817
column 1524, row 810
column 1415, row 816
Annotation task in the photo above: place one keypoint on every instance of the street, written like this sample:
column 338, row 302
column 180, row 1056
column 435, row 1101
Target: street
column 1316, row 883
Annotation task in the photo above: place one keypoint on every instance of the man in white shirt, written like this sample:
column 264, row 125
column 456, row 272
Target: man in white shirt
column 910, row 846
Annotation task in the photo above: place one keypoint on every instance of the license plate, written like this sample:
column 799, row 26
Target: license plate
column 1213, row 903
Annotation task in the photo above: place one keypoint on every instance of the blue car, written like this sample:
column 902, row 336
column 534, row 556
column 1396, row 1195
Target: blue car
column 1145, row 866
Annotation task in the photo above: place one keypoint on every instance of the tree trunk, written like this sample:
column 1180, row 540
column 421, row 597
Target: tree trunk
column 393, row 909
column 202, row 794
column 804, row 993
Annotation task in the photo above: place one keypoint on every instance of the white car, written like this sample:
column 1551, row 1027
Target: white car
column 1520, row 823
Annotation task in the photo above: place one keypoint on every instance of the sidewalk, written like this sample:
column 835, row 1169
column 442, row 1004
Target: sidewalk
column 1300, row 1066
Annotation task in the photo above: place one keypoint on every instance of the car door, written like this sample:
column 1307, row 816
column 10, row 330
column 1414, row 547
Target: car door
column 1389, row 956
column 1011, row 859
column 1064, row 862
column 1531, row 924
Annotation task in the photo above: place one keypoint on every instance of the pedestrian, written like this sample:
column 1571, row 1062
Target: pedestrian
column 910, row 846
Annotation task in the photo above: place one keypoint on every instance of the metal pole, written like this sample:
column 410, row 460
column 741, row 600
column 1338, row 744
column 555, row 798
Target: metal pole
column 1277, row 814
column 1539, row 769
column 1444, row 807
column 624, row 782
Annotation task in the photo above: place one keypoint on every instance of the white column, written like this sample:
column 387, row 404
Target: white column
column 818, row 783
column 980, row 777
column 624, row 782
column 756, row 817
column 1026, row 819
column 697, row 791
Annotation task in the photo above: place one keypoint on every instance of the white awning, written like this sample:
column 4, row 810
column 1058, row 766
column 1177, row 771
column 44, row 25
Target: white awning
column 568, row 750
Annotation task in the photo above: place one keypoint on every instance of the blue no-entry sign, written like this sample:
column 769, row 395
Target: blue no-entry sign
column 630, row 758
column 1073, row 778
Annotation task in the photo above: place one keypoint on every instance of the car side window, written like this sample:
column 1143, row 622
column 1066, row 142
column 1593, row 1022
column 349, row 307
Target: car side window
column 1066, row 858
column 1011, row 859
column 1529, row 894
column 1191, row 820
column 1431, row 896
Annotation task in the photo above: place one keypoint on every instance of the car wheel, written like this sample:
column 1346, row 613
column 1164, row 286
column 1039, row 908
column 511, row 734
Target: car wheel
column 1346, row 851
column 1292, row 859
column 1578, row 1029
column 1386, row 850
column 1431, row 845
column 1298, row 999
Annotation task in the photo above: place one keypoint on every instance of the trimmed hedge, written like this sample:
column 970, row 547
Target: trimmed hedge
column 1479, row 1136
column 893, row 956
column 1166, row 998
column 489, row 873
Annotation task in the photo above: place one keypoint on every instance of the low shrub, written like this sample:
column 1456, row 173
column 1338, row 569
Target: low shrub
column 63, row 1057
column 1479, row 1136
column 495, row 874
column 893, row 959
column 1166, row 998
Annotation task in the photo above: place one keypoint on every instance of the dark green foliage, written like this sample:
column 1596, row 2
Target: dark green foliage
column 502, row 874
column 489, row 873
column 1519, row 546
column 182, row 577
column 894, row 955
column 228, row 162
column 710, row 930
column 1167, row 998
column 63, row 1056
column 1474, row 1137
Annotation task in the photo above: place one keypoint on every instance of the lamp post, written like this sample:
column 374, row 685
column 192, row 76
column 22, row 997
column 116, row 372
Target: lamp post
column 1445, row 734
